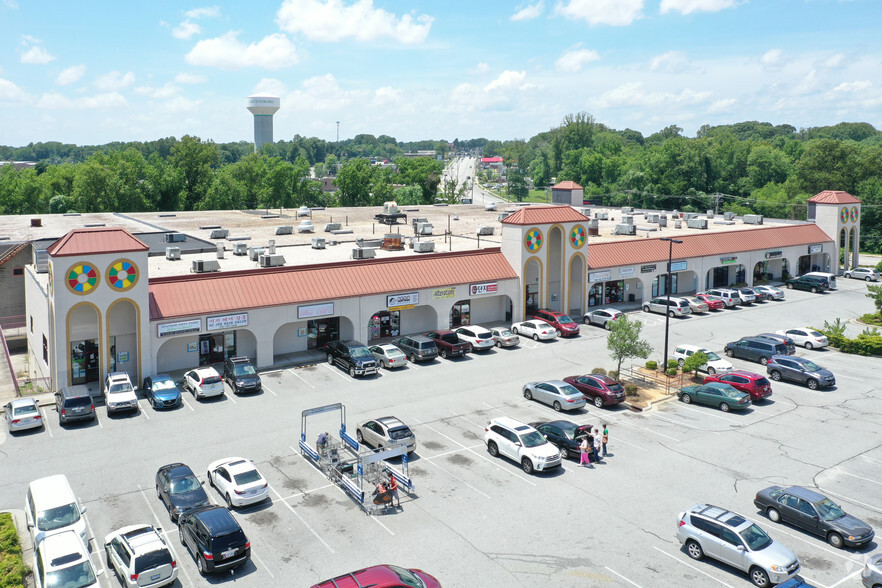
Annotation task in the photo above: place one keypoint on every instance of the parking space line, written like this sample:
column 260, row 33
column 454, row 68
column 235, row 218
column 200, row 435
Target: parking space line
column 813, row 541
column 254, row 555
column 466, row 419
column 839, row 375
column 688, row 426
column 187, row 404
column 46, row 422
column 159, row 524
column 97, row 551
column 678, row 560
column 871, row 459
column 98, row 420
column 305, row 492
column 648, row 430
column 862, row 478
column 452, row 451
column 864, row 504
column 268, row 390
column 294, row 373
column 458, row 479
column 621, row 576
column 305, row 524
column 230, row 396
column 336, row 370
column 846, row 578
column 143, row 410
column 706, row 413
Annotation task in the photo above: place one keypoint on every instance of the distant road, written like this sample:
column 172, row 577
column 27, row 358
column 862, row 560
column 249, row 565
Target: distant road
column 463, row 170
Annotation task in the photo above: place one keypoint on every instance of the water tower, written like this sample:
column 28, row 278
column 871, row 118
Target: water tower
column 263, row 107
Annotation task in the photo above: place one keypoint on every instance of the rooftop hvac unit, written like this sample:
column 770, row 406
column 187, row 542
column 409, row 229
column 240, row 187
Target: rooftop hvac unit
column 219, row 234
column 424, row 229
column 625, row 229
column 303, row 211
column 416, row 221
column 172, row 253
column 502, row 215
column 332, row 227
column 663, row 221
column 359, row 253
column 602, row 216
column 220, row 251
column 423, row 246
column 653, row 218
column 175, row 237
column 305, row 226
column 318, row 243
column 710, row 214
column 201, row 266
column 729, row 216
column 255, row 252
column 628, row 219
column 585, row 211
column 691, row 215
column 697, row 223
column 361, row 242
column 285, row 230
column 485, row 230
column 41, row 261
column 753, row 219
column 274, row 260
column 678, row 224
column 627, row 210
column 240, row 249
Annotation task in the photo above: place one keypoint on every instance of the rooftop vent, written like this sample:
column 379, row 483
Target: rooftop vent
column 172, row 253
column 240, row 249
column 625, row 229
column 485, row 230
column 255, row 252
column 219, row 234
column 285, row 230
column 602, row 216
column 361, row 253
column 423, row 246
column 318, row 243
column 728, row 216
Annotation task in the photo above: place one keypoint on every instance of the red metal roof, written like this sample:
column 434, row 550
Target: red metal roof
column 544, row 215
column 94, row 241
column 637, row 251
column 567, row 185
column 492, row 160
column 180, row 296
column 834, row 197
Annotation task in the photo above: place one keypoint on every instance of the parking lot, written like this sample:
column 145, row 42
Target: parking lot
column 475, row 520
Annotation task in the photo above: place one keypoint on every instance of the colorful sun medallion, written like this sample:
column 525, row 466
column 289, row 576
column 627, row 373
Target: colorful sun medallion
column 855, row 213
column 82, row 278
column 122, row 275
column 533, row 240
column 843, row 215
column 578, row 236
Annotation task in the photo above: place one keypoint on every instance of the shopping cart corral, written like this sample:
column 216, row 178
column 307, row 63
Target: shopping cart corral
column 356, row 468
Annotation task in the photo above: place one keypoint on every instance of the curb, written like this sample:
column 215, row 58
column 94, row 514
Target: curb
column 651, row 404
column 24, row 541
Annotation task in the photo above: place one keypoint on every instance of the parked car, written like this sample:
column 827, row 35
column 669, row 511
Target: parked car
column 238, row 481
column 760, row 295
column 22, row 414
column 63, row 560
column 756, row 385
column 204, row 382
column 555, row 393
column 564, row 435
column 815, row 513
column 385, row 432
column 728, row 296
column 351, row 356
column 863, row 273
column 755, row 349
column 139, row 557
column 813, row 285
column 713, row 302
column 448, row 343
column 696, row 304
column 746, row 295
column 382, row 576
column 119, row 394
column 566, row 327
column 161, row 391
column 871, row 576
column 733, row 539
column 388, row 356
column 808, row 338
column 714, row 362
column 214, row 539
column 74, row 403
column 826, row 277
column 479, row 338
column 778, row 338
column 536, row 329
column 51, row 508
column 241, row 376
column 771, row 292
column 179, row 490
column 503, row 337
column 521, row 443
column 715, row 394
column 599, row 389
column 417, row 347
column 602, row 317
column 673, row 307
column 802, row 371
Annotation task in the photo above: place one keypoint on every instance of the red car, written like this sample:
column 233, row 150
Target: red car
column 566, row 327
column 448, row 343
column 713, row 302
column 756, row 385
column 598, row 388
column 384, row 576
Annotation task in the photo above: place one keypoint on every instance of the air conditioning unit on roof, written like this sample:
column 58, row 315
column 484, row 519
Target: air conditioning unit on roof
column 172, row 253
column 240, row 249
column 423, row 246
column 274, row 260
column 201, row 266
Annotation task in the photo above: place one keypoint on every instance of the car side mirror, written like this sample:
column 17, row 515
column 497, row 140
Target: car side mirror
column 30, row 525
column 135, row 388
column 517, row 443
column 740, row 548
column 83, row 510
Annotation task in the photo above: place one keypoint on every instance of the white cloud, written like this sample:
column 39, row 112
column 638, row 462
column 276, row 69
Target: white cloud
column 690, row 6
column 573, row 59
column 36, row 55
column 602, row 12
column 166, row 91
column 186, row 29
column 772, row 59
column 481, row 68
column 833, row 62
column 70, row 75
column 334, row 20
column 529, row 12
column 387, row 96
column 204, row 12
column 10, row 4
column 115, row 81
column 227, row 52
column 270, row 86
column 188, row 78
column 633, row 94
column 9, row 92
column 104, row 101
column 853, row 86
column 323, row 93
column 507, row 80
column 724, row 105
column 179, row 104
column 671, row 62
column 809, row 84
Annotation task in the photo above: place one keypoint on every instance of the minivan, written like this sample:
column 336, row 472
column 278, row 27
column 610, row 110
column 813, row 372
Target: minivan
column 51, row 507
column 673, row 307
column 829, row 278
column 755, row 349
column 74, row 403
column 730, row 297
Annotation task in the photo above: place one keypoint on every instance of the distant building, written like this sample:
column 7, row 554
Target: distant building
column 19, row 164
column 567, row 193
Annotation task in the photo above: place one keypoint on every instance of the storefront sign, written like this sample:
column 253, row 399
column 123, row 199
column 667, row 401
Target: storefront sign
column 678, row 266
column 397, row 301
column 647, row 269
column 815, row 248
column 314, row 310
column 487, row 288
column 444, row 293
column 179, row 328
column 773, row 254
column 122, row 357
column 191, row 346
column 228, row 321
column 626, row 272
column 600, row 276
column 728, row 260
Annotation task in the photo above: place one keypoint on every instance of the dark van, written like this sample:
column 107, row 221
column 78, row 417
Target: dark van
column 74, row 403
column 755, row 349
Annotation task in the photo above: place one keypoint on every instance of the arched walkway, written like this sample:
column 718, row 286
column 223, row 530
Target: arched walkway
column 84, row 355
column 123, row 338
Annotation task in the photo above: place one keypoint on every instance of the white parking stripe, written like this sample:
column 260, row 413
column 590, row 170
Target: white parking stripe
column 305, row 524
column 852, row 500
column 270, row 391
column 621, row 576
column 46, row 422
column 862, row 478
column 677, row 559
column 707, row 413
column 254, row 555
column 334, row 369
column 305, row 492
column 814, row 541
column 457, row 478
column 687, row 425
column 144, row 410
column 846, row 578
column 187, row 404
column 294, row 373
column 230, row 396
column 646, row 429
column 159, row 525
column 871, row 459
column 96, row 542
column 466, row 419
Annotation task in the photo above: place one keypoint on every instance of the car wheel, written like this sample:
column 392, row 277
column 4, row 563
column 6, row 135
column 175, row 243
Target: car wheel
column 110, row 565
column 586, row 321
column 867, row 279
column 730, row 353
column 775, row 375
column 557, row 406
column 200, row 565
column 835, row 539
column 158, row 495
column 412, row 358
column 210, row 481
column 514, row 330
column 764, row 361
column 606, row 325
column 812, row 384
column 499, row 344
column 711, row 371
column 759, row 577
column 444, row 353
column 330, row 359
column 558, row 332
column 814, row 290
column 359, row 436
column 527, row 465
column 492, row 449
column 171, row 515
column 228, row 501
column 564, row 453
column 847, row 275
column 646, row 308
column 671, row 313
column 774, row 515
column 528, row 395
column 686, row 399
column 790, row 286
column 724, row 407
column 598, row 402
column 808, row 344
column 351, row 371
column 535, row 337
column 694, row 550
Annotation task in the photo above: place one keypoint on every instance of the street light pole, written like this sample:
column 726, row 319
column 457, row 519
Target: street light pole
column 671, row 242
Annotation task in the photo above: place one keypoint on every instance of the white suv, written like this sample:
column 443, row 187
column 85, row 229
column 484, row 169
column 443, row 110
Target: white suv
column 863, row 273
column 714, row 362
column 63, row 560
column 119, row 394
column 140, row 558
column 522, row 443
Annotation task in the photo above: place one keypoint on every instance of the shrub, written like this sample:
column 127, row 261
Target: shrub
column 652, row 365
column 630, row 389
column 834, row 329
column 671, row 371
column 599, row 370
column 613, row 374
column 672, row 363
column 12, row 568
column 872, row 319
column 694, row 361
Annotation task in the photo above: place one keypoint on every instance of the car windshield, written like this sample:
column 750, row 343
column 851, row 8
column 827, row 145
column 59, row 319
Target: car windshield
column 185, row 485
column 154, row 559
column 755, row 538
column 816, row 334
column 829, row 510
column 247, row 477
column 505, row 333
column 400, row 433
column 407, row 577
column 80, row 574
column 565, row 319
column 394, row 353
column 25, row 410
column 360, row 352
column 245, row 370
column 762, row 382
column 811, row 366
column 123, row 387
column 60, row 516
column 164, row 385
column 534, row 439
column 711, row 356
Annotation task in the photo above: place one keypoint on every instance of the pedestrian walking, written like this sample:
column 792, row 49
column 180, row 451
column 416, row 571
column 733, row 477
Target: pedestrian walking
column 605, row 439
column 584, row 452
column 597, row 443
column 393, row 488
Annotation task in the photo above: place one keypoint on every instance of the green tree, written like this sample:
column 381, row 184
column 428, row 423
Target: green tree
column 354, row 181
column 766, row 165
column 93, row 189
column 694, row 362
column 875, row 292
column 424, row 172
column 624, row 342
column 827, row 164
column 196, row 161
column 408, row 195
column 517, row 187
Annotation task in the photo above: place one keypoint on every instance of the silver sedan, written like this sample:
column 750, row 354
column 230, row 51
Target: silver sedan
column 602, row 317
column 555, row 393
column 388, row 356
column 22, row 414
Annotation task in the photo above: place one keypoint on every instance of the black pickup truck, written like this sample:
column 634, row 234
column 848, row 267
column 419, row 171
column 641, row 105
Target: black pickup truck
column 352, row 356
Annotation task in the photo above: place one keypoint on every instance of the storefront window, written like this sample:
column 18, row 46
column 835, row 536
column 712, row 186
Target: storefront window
column 659, row 283
column 84, row 361
column 603, row 293
column 460, row 314
column 322, row 331
column 385, row 324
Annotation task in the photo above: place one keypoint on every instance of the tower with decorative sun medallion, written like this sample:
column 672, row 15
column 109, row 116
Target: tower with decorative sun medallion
column 98, row 305
column 839, row 215
column 548, row 247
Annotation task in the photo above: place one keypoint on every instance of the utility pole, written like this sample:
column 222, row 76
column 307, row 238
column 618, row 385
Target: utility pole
column 338, row 131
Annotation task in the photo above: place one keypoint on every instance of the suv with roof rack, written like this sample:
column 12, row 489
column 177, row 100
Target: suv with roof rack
column 119, row 394
column 241, row 375
column 351, row 356
column 733, row 539
column 139, row 557
column 521, row 443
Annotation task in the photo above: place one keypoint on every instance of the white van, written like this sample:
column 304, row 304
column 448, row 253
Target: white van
column 831, row 278
column 714, row 364
column 51, row 507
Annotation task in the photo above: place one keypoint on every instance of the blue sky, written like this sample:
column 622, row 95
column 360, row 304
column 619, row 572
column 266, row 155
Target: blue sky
column 92, row 71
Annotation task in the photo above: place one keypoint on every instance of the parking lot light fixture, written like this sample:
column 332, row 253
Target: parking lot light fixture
column 668, row 280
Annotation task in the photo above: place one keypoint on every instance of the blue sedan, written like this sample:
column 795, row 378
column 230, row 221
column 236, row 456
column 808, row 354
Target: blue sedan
column 162, row 392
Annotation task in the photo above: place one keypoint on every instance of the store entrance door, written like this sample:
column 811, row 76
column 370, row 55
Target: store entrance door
column 385, row 324
column 84, row 361
column 211, row 348
column 320, row 332
column 460, row 314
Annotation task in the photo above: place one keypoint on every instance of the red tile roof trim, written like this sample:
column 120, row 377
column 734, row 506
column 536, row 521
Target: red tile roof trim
column 567, row 185
column 181, row 296
column 544, row 215
column 834, row 197
column 96, row 241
